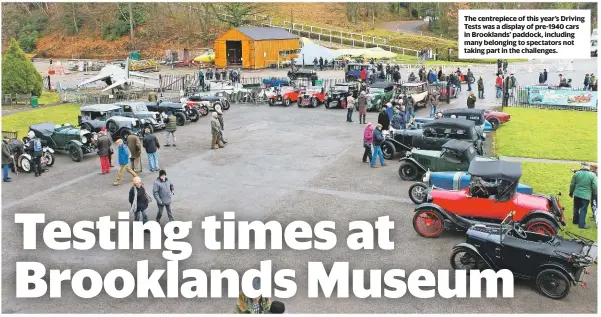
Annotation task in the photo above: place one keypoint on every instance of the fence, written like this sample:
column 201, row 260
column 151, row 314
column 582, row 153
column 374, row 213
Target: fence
column 545, row 97
column 86, row 98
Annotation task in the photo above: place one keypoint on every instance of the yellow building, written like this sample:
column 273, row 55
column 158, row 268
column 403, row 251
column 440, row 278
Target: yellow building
column 255, row 47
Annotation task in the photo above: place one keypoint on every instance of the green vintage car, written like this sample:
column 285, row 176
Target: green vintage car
column 379, row 94
column 456, row 155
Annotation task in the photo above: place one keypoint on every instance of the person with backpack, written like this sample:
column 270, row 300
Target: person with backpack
column 35, row 144
column 162, row 191
column 150, row 143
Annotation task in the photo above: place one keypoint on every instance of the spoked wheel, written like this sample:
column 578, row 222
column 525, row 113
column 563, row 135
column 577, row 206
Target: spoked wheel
column 553, row 283
column 287, row 102
column 300, row 102
column 204, row 110
column 466, row 259
column 541, row 226
column 417, row 193
column 428, row 223
column 49, row 158
column 25, row 164
column 75, row 152
column 194, row 115
column 314, row 102
column 388, row 150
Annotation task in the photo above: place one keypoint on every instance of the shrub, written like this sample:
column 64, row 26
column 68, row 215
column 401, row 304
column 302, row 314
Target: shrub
column 19, row 76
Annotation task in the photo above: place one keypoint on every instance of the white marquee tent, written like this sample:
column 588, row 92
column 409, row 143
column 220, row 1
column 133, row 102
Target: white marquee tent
column 310, row 50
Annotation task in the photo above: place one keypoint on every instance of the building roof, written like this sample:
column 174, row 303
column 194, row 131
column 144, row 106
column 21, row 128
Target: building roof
column 265, row 33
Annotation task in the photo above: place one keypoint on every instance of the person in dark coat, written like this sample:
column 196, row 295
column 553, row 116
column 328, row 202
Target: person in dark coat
column 135, row 149
column 321, row 63
column 582, row 188
column 440, row 74
column 396, row 76
column 378, row 140
column 162, row 191
column 150, row 143
column 480, row 88
column 541, row 78
column 104, row 151
column 383, row 119
column 545, row 74
column 7, row 159
column 170, row 128
column 471, row 101
column 35, row 146
column 139, row 200
column 505, row 63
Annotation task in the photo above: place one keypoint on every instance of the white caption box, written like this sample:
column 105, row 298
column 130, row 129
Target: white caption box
column 540, row 34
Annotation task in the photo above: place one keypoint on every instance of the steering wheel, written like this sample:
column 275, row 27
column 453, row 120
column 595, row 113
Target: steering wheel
column 518, row 229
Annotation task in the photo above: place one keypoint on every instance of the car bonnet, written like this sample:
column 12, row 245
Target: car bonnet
column 531, row 202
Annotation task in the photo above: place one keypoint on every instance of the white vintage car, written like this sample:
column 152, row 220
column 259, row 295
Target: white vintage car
column 417, row 92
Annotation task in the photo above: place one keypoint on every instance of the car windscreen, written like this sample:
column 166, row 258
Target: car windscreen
column 341, row 88
column 376, row 91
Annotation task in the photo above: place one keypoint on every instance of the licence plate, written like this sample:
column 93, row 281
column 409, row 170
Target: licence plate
column 306, row 102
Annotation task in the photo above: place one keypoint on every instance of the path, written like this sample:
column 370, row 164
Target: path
column 414, row 27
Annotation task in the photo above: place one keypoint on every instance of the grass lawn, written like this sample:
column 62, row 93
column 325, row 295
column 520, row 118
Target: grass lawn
column 551, row 178
column 549, row 134
column 20, row 122
column 49, row 98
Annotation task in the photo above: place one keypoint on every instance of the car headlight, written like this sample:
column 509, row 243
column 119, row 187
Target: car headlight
column 134, row 123
column 426, row 178
column 184, row 107
column 84, row 140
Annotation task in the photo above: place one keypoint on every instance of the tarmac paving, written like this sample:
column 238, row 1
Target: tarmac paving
column 281, row 164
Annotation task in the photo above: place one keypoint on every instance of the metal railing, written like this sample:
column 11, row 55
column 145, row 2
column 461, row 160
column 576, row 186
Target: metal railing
column 520, row 97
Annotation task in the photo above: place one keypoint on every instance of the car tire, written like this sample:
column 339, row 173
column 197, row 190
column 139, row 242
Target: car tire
column 388, row 150
column 431, row 219
column 75, row 152
column 541, row 226
column 226, row 105
column 480, row 147
column 315, row 102
column 417, row 193
column 204, row 111
column 25, row 164
column 180, row 119
column 300, row 102
column 494, row 121
column 409, row 171
column 195, row 115
column 87, row 126
column 548, row 280
column 466, row 257
column 49, row 158
column 112, row 127
column 287, row 102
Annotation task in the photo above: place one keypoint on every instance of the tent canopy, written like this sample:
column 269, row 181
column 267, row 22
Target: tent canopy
column 311, row 51
column 373, row 52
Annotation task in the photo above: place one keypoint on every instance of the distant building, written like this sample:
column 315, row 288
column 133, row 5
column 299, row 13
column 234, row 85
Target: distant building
column 255, row 47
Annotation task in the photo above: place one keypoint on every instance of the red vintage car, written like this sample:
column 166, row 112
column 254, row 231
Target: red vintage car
column 492, row 194
column 496, row 118
column 284, row 95
column 313, row 96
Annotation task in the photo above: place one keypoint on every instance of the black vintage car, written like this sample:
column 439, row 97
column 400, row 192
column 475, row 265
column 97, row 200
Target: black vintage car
column 181, row 111
column 554, row 262
column 431, row 137
column 472, row 114
column 302, row 73
column 336, row 97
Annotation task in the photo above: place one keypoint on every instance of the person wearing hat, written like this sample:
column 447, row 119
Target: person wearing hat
column 123, row 157
column 135, row 149
column 378, row 140
column 471, row 101
column 541, row 78
column 215, row 132
column 162, row 191
column 582, row 187
column 368, row 138
column 151, row 145
column 248, row 305
column 170, row 128
column 276, row 307
column 7, row 159
column 383, row 119
column 220, row 118
column 104, row 151
column 398, row 120
column 480, row 88
column 362, row 107
column 389, row 111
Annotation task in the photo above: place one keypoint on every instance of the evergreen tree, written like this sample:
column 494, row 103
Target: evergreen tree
column 19, row 76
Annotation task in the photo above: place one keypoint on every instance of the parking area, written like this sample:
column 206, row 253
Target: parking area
column 281, row 164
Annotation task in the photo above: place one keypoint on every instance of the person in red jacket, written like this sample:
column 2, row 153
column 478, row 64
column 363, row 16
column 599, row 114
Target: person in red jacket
column 499, row 85
column 363, row 74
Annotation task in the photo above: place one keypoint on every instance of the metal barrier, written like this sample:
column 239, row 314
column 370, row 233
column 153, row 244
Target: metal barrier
column 520, row 97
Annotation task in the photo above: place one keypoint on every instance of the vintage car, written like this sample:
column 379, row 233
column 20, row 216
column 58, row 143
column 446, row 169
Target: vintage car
column 22, row 159
column 581, row 98
column 94, row 117
column 555, row 263
column 379, row 94
column 455, row 155
column 473, row 114
column 431, row 137
column 284, row 95
column 417, row 93
column 213, row 98
column 496, row 118
column 450, row 181
column 276, row 82
column 313, row 96
column 492, row 193
column 336, row 97
column 182, row 112
column 136, row 109
column 352, row 71
column 302, row 73
column 441, row 86
column 66, row 138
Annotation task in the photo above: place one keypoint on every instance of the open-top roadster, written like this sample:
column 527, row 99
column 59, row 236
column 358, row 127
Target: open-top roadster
column 95, row 117
column 379, row 94
column 284, row 95
column 312, row 96
column 336, row 97
column 553, row 262
column 491, row 195
column 66, row 138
